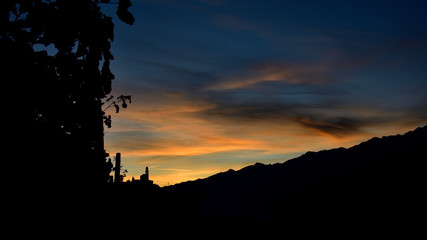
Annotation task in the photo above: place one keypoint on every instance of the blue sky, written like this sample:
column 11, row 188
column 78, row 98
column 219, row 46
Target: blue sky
column 219, row 84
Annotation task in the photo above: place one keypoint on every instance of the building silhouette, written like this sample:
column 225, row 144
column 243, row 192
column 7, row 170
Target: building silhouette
column 143, row 179
column 118, row 177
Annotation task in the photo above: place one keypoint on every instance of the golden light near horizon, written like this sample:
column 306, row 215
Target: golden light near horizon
column 178, row 144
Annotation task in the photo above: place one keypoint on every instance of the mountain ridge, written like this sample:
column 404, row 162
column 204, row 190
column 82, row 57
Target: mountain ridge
column 307, row 154
column 266, row 191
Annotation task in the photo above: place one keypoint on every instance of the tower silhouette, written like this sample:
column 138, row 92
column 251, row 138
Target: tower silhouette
column 117, row 177
column 144, row 178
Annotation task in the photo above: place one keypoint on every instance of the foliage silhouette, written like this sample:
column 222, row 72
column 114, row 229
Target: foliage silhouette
column 56, row 56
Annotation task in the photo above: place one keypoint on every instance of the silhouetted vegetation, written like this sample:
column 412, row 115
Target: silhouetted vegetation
column 56, row 62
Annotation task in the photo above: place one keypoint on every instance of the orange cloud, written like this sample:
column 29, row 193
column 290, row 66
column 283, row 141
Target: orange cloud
column 288, row 73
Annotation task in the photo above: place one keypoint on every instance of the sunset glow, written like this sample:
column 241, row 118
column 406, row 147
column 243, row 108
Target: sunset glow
column 178, row 143
column 216, row 87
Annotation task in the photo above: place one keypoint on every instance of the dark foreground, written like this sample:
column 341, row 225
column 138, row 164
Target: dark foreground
column 376, row 187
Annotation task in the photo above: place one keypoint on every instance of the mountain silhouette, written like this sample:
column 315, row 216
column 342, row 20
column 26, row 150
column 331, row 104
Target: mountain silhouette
column 380, row 180
column 375, row 188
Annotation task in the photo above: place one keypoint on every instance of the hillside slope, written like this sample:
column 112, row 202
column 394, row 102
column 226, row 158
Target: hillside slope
column 377, row 178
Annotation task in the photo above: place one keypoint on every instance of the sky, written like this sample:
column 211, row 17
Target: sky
column 223, row 84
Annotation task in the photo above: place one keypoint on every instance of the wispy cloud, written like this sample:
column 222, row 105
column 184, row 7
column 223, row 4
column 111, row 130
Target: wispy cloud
column 283, row 72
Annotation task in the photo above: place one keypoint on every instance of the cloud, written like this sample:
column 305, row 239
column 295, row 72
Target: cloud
column 335, row 126
column 175, row 76
column 173, row 127
column 273, row 114
column 283, row 72
column 337, row 116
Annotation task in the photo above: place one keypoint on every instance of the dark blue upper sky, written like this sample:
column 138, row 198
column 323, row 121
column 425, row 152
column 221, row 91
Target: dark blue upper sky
column 276, row 77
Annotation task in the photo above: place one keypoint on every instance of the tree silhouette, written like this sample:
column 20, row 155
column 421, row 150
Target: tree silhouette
column 56, row 56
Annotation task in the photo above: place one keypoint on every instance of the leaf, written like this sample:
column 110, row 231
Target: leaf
column 107, row 121
column 123, row 13
column 117, row 107
column 126, row 16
